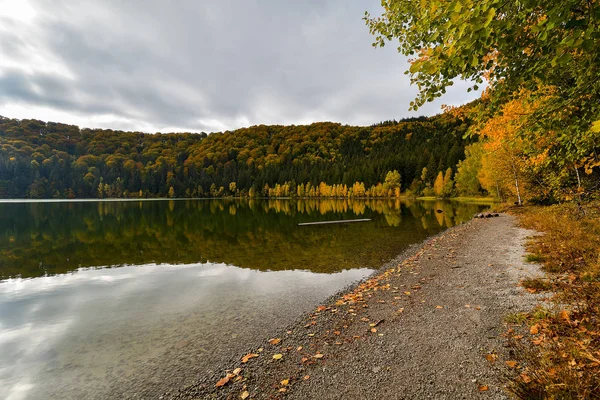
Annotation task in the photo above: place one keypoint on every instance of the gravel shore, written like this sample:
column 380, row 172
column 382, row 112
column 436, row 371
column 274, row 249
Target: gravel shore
column 418, row 329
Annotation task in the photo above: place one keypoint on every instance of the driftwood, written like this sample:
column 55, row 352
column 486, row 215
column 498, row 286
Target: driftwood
column 342, row 221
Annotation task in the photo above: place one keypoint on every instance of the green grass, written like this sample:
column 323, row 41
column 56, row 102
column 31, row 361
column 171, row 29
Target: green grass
column 534, row 258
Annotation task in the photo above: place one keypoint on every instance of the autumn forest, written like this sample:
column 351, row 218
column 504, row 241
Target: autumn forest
column 52, row 160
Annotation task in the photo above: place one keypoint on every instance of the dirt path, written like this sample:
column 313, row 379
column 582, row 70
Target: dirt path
column 437, row 313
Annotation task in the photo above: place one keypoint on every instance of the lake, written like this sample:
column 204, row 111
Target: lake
column 124, row 299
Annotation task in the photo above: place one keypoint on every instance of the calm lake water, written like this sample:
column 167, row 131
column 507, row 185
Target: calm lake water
column 118, row 299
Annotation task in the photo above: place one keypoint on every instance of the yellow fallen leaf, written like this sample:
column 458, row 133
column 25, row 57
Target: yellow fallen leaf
column 374, row 330
column 564, row 315
column 439, row 307
column 224, row 381
column 244, row 395
column 534, row 330
column 237, row 371
column 525, row 378
column 282, row 390
column 285, row 382
column 275, row 341
column 299, row 348
column 491, row 357
column 306, row 377
column 483, row 388
column 318, row 355
column 511, row 364
column 248, row 357
column 277, row 356
column 407, row 293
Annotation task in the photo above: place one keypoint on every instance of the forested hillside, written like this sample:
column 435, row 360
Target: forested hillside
column 52, row 160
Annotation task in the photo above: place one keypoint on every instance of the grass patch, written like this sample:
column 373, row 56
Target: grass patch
column 516, row 318
column 561, row 359
column 536, row 284
column 534, row 258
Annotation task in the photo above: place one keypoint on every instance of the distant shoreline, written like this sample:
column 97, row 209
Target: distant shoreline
column 486, row 200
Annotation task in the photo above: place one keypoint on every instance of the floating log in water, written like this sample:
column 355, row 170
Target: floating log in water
column 342, row 221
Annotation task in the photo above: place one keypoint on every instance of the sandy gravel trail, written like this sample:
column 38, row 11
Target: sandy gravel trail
column 419, row 329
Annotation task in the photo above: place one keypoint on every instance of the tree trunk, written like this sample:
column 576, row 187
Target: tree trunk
column 517, row 185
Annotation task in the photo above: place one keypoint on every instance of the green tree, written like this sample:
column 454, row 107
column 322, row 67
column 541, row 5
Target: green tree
column 467, row 183
column 514, row 42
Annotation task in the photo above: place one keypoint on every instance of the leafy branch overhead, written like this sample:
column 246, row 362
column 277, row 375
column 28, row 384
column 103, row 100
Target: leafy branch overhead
column 516, row 43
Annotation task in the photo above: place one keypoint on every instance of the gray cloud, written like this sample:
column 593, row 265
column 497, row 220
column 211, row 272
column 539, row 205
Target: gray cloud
column 210, row 65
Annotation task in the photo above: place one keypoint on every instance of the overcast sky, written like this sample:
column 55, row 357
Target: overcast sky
column 206, row 65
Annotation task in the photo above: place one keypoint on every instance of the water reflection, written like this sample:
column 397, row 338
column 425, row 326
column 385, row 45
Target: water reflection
column 38, row 239
column 197, row 281
column 81, row 335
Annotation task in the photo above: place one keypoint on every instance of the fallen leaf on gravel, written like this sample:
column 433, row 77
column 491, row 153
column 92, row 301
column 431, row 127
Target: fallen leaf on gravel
column 306, row 377
column 439, row 307
column 299, row 348
column 311, row 334
column 478, row 308
column 248, row 357
column 338, row 343
column 237, row 371
column 282, row 390
column 491, row 357
column 483, row 388
column 304, row 359
column 511, row 364
column 407, row 293
column 285, row 382
column 321, row 308
column 564, row 315
column 534, row 329
column 468, row 305
column 274, row 341
column 277, row 356
column 364, row 319
column 244, row 395
column 374, row 330
column 318, row 355
column 225, row 380
column 525, row 378
column 337, row 332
